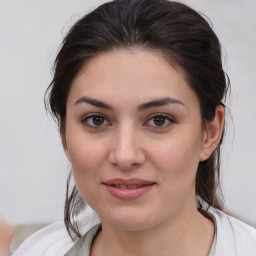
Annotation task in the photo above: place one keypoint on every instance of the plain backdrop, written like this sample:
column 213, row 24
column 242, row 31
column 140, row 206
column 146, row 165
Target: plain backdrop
column 33, row 168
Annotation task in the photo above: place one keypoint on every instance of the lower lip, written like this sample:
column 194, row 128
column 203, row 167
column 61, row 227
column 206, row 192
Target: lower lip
column 129, row 193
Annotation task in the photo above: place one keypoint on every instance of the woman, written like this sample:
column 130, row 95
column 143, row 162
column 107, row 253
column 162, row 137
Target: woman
column 137, row 93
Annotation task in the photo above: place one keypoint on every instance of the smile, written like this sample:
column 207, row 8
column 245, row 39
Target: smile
column 128, row 189
column 128, row 186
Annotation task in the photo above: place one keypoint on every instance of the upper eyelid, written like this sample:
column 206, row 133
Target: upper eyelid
column 163, row 127
column 150, row 116
column 161, row 114
column 84, row 117
column 92, row 115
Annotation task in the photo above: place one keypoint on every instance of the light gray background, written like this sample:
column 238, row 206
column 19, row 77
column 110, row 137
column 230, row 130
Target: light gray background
column 33, row 168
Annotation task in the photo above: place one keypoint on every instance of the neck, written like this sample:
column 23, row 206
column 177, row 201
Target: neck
column 189, row 233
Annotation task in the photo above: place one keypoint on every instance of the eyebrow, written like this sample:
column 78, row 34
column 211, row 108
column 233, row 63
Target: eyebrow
column 159, row 103
column 94, row 102
column 141, row 107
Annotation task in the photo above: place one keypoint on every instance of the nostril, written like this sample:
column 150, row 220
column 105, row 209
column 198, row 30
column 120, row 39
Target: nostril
column 125, row 151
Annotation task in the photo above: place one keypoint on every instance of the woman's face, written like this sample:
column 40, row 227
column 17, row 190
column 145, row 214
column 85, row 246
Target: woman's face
column 134, row 139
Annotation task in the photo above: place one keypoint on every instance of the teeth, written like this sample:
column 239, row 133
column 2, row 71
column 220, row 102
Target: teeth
column 132, row 186
column 127, row 186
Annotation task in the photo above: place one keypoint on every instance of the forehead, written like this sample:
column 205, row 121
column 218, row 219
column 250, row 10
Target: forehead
column 135, row 75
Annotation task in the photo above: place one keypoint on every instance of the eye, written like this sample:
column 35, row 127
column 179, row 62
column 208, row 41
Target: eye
column 160, row 120
column 95, row 121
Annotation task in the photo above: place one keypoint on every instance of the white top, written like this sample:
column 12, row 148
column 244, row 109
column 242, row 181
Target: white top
column 83, row 246
column 234, row 238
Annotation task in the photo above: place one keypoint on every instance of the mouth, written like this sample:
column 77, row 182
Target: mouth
column 128, row 189
column 122, row 186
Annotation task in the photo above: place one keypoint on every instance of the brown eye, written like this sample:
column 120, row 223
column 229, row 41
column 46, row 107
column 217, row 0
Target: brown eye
column 98, row 120
column 95, row 121
column 159, row 120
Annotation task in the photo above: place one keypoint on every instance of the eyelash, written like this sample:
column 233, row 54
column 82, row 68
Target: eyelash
column 167, row 118
column 91, row 116
column 160, row 115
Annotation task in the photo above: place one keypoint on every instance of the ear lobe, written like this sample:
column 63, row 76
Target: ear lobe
column 212, row 133
column 65, row 147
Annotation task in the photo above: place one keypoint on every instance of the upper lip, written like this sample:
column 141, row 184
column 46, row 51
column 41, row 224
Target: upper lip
column 127, row 182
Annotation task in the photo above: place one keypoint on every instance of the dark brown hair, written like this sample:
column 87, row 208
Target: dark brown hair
column 181, row 34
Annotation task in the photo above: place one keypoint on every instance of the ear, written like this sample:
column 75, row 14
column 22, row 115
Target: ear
column 65, row 146
column 212, row 133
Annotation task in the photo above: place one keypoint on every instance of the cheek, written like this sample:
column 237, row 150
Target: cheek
column 178, row 158
column 86, row 155
column 87, row 159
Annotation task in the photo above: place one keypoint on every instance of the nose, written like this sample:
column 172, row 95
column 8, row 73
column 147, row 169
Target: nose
column 126, row 151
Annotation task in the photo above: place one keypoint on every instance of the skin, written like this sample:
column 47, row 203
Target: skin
column 6, row 234
column 128, row 142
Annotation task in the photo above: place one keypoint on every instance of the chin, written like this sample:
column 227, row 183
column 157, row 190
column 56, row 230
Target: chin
column 130, row 221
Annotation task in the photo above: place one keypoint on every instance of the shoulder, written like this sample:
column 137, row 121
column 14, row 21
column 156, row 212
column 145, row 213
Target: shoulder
column 83, row 245
column 234, row 237
column 54, row 239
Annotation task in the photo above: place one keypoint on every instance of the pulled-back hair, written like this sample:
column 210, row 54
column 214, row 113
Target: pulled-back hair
column 180, row 34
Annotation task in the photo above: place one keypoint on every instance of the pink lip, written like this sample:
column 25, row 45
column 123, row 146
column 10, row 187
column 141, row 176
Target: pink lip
column 128, row 193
